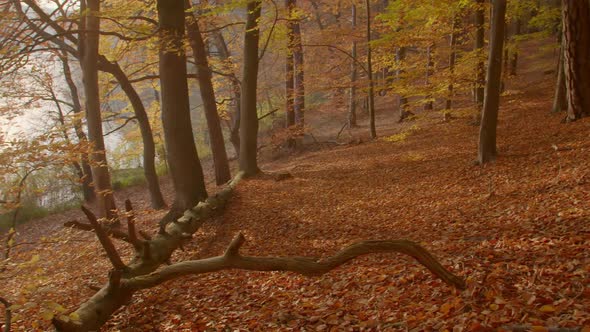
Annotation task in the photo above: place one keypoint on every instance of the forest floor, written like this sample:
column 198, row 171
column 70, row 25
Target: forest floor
column 518, row 230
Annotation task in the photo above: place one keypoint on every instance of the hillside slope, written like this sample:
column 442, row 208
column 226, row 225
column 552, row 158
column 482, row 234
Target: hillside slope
column 518, row 230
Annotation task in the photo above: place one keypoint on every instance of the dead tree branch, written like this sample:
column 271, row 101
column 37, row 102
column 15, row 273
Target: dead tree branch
column 105, row 241
column 232, row 259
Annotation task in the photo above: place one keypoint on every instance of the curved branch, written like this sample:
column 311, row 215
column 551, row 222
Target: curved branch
column 232, row 259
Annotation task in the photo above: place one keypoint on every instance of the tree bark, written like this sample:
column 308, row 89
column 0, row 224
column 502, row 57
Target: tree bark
column 249, row 116
column 353, row 75
column 487, row 133
column 400, row 55
column 224, row 54
column 371, row 95
column 89, row 64
column 479, row 47
column 290, row 67
column 147, row 137
column 183, row 160
column 514, row 58
column 428, row 105
column 86, row 170
column 576, row 36
column 299, row 100
column 222, row 172
column 452, row 59
column 560, row 97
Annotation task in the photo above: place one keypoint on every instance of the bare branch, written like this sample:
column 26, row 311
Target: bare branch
column 231, row 259
column 105, row 241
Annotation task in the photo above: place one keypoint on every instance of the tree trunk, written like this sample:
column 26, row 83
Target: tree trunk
column 89, row 65
column 147, row 137
column 249, row 116
column 514, row 58
column 452, row 60
column 371, row 96
column 479, row 47
column 429, row 71
column 576, row 36
column 487, row 133
column 222, row 172
column 289, row 67
column 353, row 75
column 560, row 97
column 183, row 160
column 400, row 55
column 86, row 170
column 299, row 100
column 224, row 54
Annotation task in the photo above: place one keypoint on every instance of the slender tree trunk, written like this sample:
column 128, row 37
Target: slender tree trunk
column 560, row 99
column 429, row 71
column 183, row 160
column 487, row 133
column 479, row 47
column 514, row 58
column 249, row 118
column 221, row 165
column 299, row 100
column 224, row 54
column 147, row 137
column 86, row 170
column 371, row 96
column 576, row 36
column 400, row 55
column 289, row 67
column 89, row 64
column 353, row 75
column 452, row 60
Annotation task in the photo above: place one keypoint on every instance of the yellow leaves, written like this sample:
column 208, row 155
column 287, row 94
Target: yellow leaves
column 548, row 308
column 400, row 137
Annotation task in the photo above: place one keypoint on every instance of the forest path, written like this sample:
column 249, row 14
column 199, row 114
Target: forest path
column 518, row 229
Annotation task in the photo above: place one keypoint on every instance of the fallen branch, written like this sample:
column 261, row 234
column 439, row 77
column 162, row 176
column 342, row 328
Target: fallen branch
column 105, row 241
column 155, row 251
column 117, row 234
column 232, row 259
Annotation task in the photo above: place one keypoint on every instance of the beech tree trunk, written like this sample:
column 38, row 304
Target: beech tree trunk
column 147, row 137
column 249, row 118
column 487, row 133
column 560, row 97
column 289, row 67
column 224, row 54
column 89, row 65
column 429, row 71
column 576, row 36
column 216, row 142
column 86, row 171
column 353, row 75
column 452, row 60
column 479, row 46
column 371, row 96
column 183, row 160
column 299, row 100
column 400, row 55
column 514, row 58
